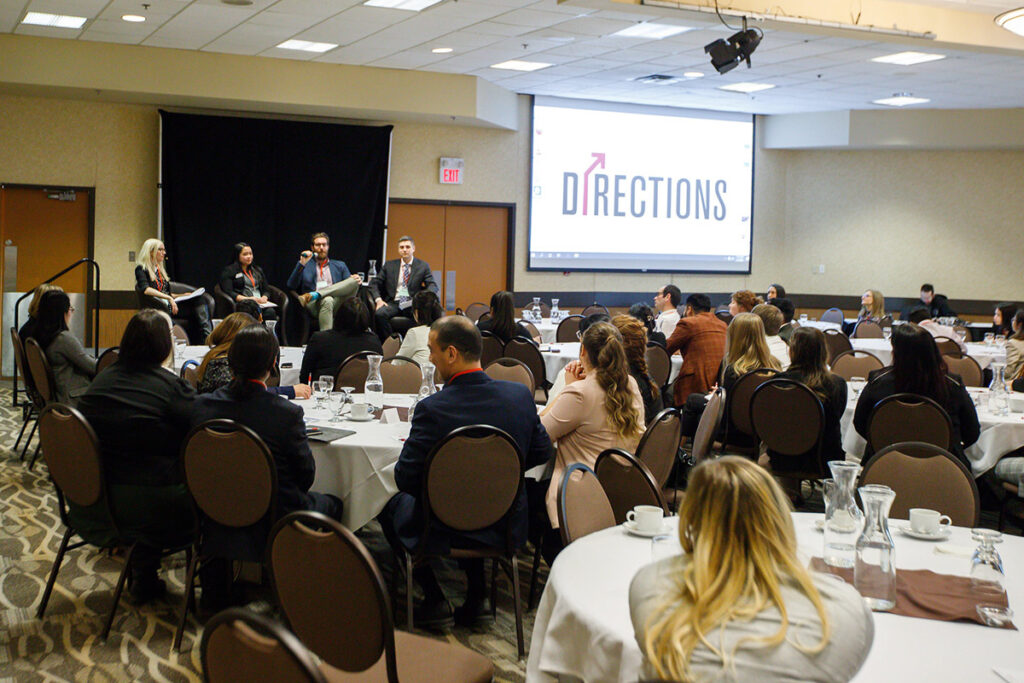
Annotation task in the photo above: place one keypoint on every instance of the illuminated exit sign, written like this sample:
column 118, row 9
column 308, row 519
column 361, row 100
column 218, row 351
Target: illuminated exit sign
column 452, row 170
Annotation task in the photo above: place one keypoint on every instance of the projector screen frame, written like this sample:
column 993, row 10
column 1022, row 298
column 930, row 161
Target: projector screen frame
column 639, row 108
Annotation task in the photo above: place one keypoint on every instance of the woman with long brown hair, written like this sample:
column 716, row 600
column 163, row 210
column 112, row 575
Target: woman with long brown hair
column 634, row 342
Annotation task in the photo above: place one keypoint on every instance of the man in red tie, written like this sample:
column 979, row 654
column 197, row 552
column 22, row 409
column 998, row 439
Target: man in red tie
column 396, row 283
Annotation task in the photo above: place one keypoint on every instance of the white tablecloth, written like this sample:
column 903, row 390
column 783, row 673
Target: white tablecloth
column 985, row 355
column 289, row 355
column 583, row 630
column 821, row 325
column 557, row 356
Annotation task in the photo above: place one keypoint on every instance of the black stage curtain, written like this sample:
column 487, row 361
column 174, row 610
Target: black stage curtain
column 271, row 184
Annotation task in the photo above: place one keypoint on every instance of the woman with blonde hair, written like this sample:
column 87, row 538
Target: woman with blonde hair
column 739, row 604
column 872, row 306
column 29, row 328
column 153, row 283
column 634, row 342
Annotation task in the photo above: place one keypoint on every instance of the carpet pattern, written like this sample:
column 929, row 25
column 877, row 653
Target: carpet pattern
column 65, row 645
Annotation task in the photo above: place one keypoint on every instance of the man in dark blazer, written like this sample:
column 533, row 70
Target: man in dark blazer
column 396, row 283
column 469, row 397
column 322, row 282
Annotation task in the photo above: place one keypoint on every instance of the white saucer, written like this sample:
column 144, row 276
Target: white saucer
column 630, row 527
column 819, row 525
column 943, row 533
column 360, row 419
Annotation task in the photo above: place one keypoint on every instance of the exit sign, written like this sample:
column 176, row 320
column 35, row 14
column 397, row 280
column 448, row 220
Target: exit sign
column 452, row 169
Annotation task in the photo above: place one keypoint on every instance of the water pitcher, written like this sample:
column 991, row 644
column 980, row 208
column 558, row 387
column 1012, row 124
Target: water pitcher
column 998, row 400
column 844, row 520
column 372, row 272
column 427, row 387
column 374, row 386
column 556, row 314
column 874, row 574
column 535, row 310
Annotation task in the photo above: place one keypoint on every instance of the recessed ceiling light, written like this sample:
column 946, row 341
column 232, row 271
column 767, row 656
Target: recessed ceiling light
column 239, row 3
column 410, row 5
column 55, row 20
column 693, row 74
column 307, row 46
column 133, row 18
column 519, row 65
column 908, row 58
column 657, row 79
column 746, row 87
column 652, row 30
column 1012, row 21
column 901, row 99
column 441, row 50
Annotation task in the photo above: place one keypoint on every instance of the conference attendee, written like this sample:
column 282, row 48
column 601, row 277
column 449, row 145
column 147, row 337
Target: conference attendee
column 917, row 368
column 280, row 425
column 1015, row 347
column 574, row 367
column 140, row 413
column 739, row 603
column 666, row 302
column 743, row 301
column 634, row 341
column 787, row 309
column 502, row 322
column 151, row 280
column 397, row 282
column 28, row 328
column 426, row 308
column 775, row 291
column 322, row 282
column 350, row 333
column 73, row 367
column 921, row 316
column 244, row 281
column 1002, row 319
column 645, row 314
column 469, row 397
column 700, row 338
column 771, row 318
column 872, row 306
column 937, row 304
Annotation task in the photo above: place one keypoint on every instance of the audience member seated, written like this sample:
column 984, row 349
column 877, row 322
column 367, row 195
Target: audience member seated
column 502, row 323
column 140, row 413
column 1002, row 319
column 771, row 318
column 28, row 328
column 788, row 311
column 872, row 306
column 920, row 316
column 645, row 314
column 243, row 281
column 917, row 368
column 152, row 281
column 634, row 341
column 743, row 301
column 700, row 338
column 215, row 372
column 1015, row 347
column 426, row 308
column 322, row 282
column 666, row 302
column 397, row 282
column 739, row 604
column 280, row 425
column 73, row 368
column 936, row 304
column 328, row 348
column 775, row 291
column 469, row 397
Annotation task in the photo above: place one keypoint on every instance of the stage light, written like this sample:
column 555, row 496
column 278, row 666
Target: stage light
column 726, row 54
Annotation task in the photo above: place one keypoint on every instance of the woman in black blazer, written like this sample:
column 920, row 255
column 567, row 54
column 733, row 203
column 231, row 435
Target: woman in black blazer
column 243, row 281
column 327, row 349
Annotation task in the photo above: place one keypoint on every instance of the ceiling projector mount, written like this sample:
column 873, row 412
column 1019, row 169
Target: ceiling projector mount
column 727, row 53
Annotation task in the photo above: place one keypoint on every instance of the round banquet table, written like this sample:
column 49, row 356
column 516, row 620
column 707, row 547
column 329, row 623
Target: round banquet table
column 547, row 330
column 984, row 354
column 820, row 324
column 583, row 629
column 557, row 356
column 290, row 356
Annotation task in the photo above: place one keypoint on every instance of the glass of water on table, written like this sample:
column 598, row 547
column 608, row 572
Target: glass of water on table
column 323, row 387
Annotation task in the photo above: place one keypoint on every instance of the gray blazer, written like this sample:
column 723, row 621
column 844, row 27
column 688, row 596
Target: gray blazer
column 73, row 368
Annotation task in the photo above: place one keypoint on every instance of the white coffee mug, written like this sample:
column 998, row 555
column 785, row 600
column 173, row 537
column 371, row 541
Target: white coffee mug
column 646, row 518
column 360, row 411
column 925, row 521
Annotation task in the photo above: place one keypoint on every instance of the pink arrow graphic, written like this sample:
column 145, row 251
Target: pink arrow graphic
column 598, row 159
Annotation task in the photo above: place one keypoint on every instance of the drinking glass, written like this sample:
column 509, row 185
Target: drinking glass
column 335, row 403
column 803, row 317
column 326, row 381
column 1000, row 340
column 986, row 564
column 179, row 348
column 271, row 324
column 347, row 391
column 990, row 338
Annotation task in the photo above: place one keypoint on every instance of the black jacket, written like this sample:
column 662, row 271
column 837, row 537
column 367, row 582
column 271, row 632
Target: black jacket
column 233, row 281
column 385, row 283
column 517, row 331
column 327, row 350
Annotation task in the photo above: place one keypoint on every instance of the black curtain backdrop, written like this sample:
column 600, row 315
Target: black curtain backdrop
column 271, row 184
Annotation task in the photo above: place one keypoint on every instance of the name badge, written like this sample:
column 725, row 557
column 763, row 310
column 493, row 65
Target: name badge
column 238, row 276
column 403, row 292
column 322, row 285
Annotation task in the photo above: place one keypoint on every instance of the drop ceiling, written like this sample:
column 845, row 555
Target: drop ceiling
column 810, row 71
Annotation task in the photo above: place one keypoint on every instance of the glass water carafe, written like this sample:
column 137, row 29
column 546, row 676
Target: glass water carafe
column 536, row 313
column 372, row 272
column 844, row 520
column 374, row 386
column 998, row 400
column 874, row 574
column 556, row 314
column 427, row 387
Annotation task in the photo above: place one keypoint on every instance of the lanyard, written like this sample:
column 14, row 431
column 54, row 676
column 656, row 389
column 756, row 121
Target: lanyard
column 464, row 372
column 159, row 281
column 250, row 277
column 321, row 267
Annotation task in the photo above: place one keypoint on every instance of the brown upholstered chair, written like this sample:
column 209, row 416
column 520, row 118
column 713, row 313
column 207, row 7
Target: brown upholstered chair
column 334, row 598
column 190, row 372
column 107, row 358
column 907, row 418
column 836, row 342
column 525, row 351
column 215, row 452
column 737, row 410
column 626, row 482
column 708, row 427
column 353, row 371
column 240, row 645
column 853, row 363
column 968, row 369
column 568, row 328
column 179, row 332
column 867, row 329
column 42, row 378
column 833, row 315
column 595, row 308
column 583, row 506
column 949, row 347
column 30, row 411
column 925, row 476
column 493, row 349
column 659, row 446
column 391, row 345
column 475, row 310
column 486, row 315
column 401, row 375
column 799, row 433
column 659, row 365
column 511, row 370
column 532, row 329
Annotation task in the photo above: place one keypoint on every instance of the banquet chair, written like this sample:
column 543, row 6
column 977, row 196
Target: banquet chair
column 708, row 427
column 545, row 309
column 179, row 332
column 486, row 315
column 724, row 316
column 475, row 310
column 190, row 372
column 333, row 597
column 800, row 434
column 659, row 365
column 511, row 370
column 215, row 452
column 595, row 308
column 107, row 358
column 30, row 410
column 42, row 377
column 583, row 506
column 240, row 645
column 836, row 342
column 626, row 482
column 908, row 418
column 867, row 329
column 525, row 351
column 568, row 328
column 493, row 349
column 353, row 371
column 949, row 347
column 659, row 446
column 737, row 411
column 853, row 363
column 391, row 345
column 924, row 475
column 532, row 329
column 401, row 375
column 833, row 315
column 968, row 369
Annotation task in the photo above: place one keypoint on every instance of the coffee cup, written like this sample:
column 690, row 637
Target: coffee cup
column 646, row 518
column 360, row 411
column 925, row 521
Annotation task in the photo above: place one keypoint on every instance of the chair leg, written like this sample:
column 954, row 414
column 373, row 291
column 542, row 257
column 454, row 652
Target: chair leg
column 24, row 425
column 408, row 591
column 188, row 600
column 30, row 435
column 494, row 587
column 534, row 577
column 117, row 592
column 519, row 606
column 53, row 573
column 35, row 456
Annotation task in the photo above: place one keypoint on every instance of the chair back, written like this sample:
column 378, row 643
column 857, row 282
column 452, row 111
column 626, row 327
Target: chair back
column 948, row 347
column 493, row 349
column 178, row 332
column 72, row 453
column 42, row 373
column 852, row 363
column 545, row 309
column 659, row 445
column 21, row 362
column 868, row 329
column 567, row 329
column 224, row 305
column 107, row 358
column 240, row 645
column 220, row 451
column 532, row 329
column 833, row 315
column 486, row 315
column 277, row 296
column 511, row 370
column 190, row 372
column 738, row 405
column 525, row 351
column 836, row 342
column 908, row 418
column 788, row 417
column 595, row 308
column 353, row 371
column 475, row 310
column 583, row 506
column 331, row 592
column 626, row 482
column 724, row 316
column 401, row 375
column 925, row 476
column 659, row 364
column 968, row 369
column 707, row 428
column 391, row 345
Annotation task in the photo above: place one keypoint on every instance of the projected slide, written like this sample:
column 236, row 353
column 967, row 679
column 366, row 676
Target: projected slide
column 624, row 188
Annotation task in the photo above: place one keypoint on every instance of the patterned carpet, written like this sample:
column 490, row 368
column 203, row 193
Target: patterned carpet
column 65, row 645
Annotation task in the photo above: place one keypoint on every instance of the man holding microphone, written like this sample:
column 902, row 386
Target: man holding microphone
column 321, row 282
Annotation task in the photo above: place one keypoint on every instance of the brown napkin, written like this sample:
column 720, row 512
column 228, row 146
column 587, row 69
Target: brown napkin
column 403, row 413
column 926, row 595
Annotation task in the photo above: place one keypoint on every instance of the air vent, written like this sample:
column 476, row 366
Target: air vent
column 657, row 79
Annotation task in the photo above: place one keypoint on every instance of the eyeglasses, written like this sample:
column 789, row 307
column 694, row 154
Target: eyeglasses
column 71, row 309
column 579, row 335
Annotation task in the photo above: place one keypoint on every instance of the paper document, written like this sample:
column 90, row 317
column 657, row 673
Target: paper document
column 190, row 295
column 269, row 304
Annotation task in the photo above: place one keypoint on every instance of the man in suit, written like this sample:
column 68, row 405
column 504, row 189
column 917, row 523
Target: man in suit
column 397, row 282
column 322, row 282
column 700, row 337
column 469, row 397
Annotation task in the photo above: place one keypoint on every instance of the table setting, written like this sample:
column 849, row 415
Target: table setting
column 291, row 361
column 557, row 356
